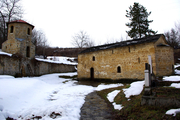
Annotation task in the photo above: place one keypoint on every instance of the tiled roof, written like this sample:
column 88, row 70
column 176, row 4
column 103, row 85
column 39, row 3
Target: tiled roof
column 20, row 21
column 123, row 43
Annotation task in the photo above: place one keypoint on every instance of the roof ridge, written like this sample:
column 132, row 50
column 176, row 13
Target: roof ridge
column 123, row 43
column 20, row 21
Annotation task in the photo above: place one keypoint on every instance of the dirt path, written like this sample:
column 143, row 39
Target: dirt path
column 95, row 108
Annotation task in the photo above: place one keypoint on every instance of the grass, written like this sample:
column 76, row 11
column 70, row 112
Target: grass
column 133, row 110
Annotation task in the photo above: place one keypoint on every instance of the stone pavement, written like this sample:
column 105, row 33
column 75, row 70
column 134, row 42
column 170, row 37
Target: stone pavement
column 95, row 108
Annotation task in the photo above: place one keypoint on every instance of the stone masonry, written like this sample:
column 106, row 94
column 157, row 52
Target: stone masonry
column 23, row 62
column 19, row 39
column 117, row 61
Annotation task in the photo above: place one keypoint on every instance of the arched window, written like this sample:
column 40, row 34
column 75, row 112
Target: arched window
column 28, row 31
column 118, row 69
column 93, row 58
column 129, row 49
column 12, row 29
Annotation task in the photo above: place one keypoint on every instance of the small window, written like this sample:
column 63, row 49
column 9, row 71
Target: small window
column 28, row 51
column 93, row 58
column 12, row 29
column 129, row 49
column 139, row 60
column 28, row 31
column 118, row 69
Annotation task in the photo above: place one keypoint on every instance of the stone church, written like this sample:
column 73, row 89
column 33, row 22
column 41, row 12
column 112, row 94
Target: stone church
column 126, row 59
column 19, row 39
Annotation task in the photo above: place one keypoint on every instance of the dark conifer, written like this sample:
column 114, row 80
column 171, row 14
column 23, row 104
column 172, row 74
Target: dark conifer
column 139, row 25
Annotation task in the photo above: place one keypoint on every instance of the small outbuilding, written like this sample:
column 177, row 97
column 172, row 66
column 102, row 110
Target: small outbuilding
column 126, row 59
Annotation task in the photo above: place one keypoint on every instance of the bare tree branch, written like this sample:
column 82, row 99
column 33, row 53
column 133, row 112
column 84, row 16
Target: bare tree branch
column 82, row 40
column 9, row 10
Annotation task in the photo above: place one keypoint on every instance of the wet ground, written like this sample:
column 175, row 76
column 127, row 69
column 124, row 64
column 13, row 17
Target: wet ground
column 95, row 108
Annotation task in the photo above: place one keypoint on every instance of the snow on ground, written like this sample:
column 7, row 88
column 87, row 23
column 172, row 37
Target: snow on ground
column 177, row 71
column 171, row 78
column 103, row 86
column 177, row 65
column 5, row 76
column 134, row 89
column 25, row 98
column 176, row 85
column 58, row 60
column 111, row 97
column 117, row 106
column 173, row 112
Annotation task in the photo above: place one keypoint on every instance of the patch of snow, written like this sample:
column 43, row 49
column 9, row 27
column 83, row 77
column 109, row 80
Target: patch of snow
column 112, row 95
column 134, row 89
column 103, row 86
column 61, row 60
column 176, row 85
column 117, row 106
column 175, row 66
column 171, row 78
column 25, row 98
column 177, row 72
column 5, row 53
column 40, row 96
column 173, row 112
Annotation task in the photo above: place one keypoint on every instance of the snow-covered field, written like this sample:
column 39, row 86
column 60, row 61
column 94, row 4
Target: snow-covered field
column 50, row 97
column 47, row 96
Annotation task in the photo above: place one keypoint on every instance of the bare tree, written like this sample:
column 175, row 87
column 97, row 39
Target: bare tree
column 173, row 36
column 82, row 40
column 9, row 10
column 40, row 41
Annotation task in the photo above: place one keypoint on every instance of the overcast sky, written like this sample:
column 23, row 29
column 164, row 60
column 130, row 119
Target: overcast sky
column 103, row 20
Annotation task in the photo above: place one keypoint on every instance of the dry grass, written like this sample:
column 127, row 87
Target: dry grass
column 133, row 110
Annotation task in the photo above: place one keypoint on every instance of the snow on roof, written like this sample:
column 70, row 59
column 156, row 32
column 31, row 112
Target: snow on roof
column 123, row 43
column 4, row 53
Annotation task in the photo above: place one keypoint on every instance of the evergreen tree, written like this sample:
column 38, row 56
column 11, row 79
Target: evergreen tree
column 139, row 25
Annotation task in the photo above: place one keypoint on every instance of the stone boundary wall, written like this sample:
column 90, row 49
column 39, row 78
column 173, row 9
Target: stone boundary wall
column 19, row 66
column 160, row 101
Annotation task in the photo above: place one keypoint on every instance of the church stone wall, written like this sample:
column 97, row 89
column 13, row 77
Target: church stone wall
column 164, row 58
column 130, row 60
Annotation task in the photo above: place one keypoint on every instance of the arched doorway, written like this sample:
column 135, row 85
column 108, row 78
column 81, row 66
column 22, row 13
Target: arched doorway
column 92, row 73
